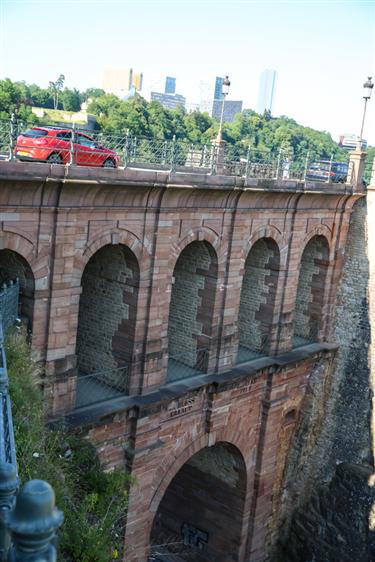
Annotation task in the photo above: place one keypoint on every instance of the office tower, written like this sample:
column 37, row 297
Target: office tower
column 231, row 108
column 218, row 92
column 266, row 94
column 118, row 80
column 350, row 142
column 206, row 91
column 169, row 101
column 170, row 85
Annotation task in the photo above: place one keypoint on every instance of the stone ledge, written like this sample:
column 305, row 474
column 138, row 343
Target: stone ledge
column 39, row 171
column 93, row 414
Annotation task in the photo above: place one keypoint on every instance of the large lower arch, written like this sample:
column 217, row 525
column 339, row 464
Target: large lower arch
column 191, row 310
column 13, row 266
column 107, row 319
column 257, row 302
column 200, row 515
column 308, row 315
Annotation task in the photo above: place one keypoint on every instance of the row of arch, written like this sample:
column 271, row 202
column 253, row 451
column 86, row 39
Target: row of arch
column 110, row 299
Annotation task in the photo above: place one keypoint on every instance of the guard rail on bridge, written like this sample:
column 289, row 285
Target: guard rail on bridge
column 74, row 147
column 28, row 518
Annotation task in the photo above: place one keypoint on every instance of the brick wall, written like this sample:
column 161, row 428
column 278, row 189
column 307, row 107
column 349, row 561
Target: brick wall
column 192, row 302
column 258, row 295
column 310, row 291
column 13, row 265
column 107, row 311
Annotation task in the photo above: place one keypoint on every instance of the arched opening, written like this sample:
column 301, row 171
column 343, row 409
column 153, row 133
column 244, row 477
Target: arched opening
column 257, row 303
column 310, row 291
column 191, row 311
column 201, row 513
column 13, row 266
column 106, row 324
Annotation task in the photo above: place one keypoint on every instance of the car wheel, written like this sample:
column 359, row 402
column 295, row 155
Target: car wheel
column 109, row 163
column 54, row 158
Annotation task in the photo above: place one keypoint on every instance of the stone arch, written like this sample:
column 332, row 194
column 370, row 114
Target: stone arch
column 107, row 315
column 14, row 265
column 257, row 300
column 202, row 234
column 112, row 238
column 319, row 230
column 271, row 232
column 308, row 312
column 209, row 480
column 191, row 310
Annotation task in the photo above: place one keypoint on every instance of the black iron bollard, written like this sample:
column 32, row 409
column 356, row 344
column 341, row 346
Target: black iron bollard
column 8, row 487
column 33, row 524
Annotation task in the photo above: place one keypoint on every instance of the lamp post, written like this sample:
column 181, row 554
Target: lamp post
column 225, row 92
column 367, row 90
column 358, row 156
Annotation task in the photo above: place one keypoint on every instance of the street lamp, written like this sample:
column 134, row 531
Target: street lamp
column 225, row 92
column 367, row 87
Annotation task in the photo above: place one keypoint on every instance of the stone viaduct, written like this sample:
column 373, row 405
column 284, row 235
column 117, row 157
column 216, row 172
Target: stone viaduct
column 180, row 318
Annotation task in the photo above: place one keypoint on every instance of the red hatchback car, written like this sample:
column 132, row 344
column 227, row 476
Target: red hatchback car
column 45, row 144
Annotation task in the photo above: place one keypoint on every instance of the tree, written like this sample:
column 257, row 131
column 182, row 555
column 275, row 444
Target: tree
column 55, row 88
column 71, row 100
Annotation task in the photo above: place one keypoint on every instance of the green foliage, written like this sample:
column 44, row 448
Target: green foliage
column 368, row 164
column 93, row 501
column 143, row 119
column 71, row 100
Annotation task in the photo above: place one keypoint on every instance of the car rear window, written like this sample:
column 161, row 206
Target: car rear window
column 35, row 133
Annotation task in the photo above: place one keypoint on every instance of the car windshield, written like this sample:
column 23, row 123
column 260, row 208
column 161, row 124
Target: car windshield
column 35, row 133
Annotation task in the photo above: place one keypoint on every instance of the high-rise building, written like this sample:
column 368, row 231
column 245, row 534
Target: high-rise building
column 231, row 108
column 169, row 101
column 350, row 142
column 206, row 97
column 118, row 80
column 218, row 92
column 267, row 84
column 170, row 85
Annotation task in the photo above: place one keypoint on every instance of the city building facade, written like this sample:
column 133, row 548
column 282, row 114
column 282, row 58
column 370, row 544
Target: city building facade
column 169, row 101
column 231, row 108
column 350, row 142
column 119, row 80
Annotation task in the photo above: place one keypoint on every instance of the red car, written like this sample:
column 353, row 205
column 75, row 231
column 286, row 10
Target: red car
column 45, row 144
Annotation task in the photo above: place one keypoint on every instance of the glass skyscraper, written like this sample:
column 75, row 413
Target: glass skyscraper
column 266, row 94
column 170, row 85
column 218, row 93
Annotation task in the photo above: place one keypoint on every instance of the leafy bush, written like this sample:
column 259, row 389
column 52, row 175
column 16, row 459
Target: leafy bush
column 93, row 501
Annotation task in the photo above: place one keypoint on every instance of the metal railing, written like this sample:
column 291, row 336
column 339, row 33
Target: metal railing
column 187, row 364
column 9, row 293
column 93, row 388
column 72, row 146
column 28, row 518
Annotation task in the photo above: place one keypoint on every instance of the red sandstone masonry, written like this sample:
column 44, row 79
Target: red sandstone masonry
column 58, row 224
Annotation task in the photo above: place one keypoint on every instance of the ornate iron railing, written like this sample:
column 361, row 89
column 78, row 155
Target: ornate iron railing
column 28, row 518
column 72, row 146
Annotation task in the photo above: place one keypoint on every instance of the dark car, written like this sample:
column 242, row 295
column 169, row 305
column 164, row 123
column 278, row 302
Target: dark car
column 325, row 170
column 54, row 145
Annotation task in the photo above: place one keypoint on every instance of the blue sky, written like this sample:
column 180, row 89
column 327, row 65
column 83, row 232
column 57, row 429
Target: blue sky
column 322, row 50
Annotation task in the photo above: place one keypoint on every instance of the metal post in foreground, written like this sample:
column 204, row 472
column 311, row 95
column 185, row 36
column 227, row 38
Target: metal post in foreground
column 306, row 166
column 173, row 155
column 33, row 524
column 12, row 135
column 247, row 168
